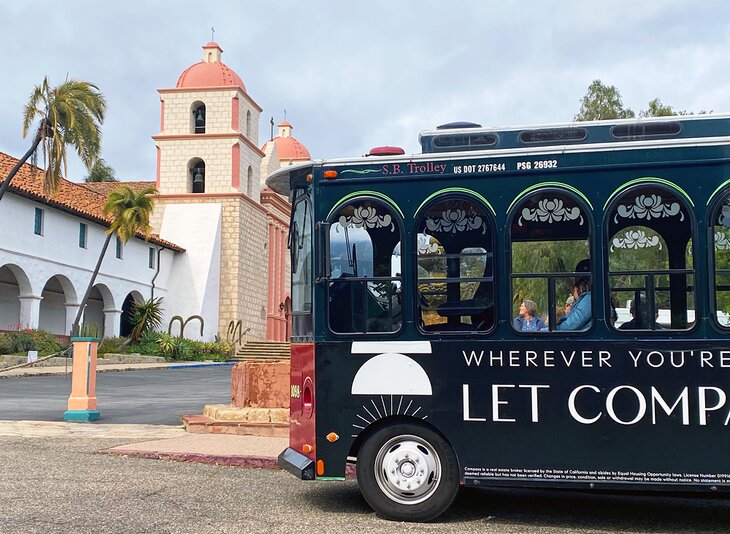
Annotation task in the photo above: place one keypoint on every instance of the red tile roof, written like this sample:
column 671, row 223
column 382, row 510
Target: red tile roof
column 71, row 197
column 104, row 188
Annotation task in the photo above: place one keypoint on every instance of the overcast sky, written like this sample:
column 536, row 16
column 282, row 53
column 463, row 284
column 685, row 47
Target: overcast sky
column 352, row 75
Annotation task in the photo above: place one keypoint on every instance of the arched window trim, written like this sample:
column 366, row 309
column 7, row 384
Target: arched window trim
column 714, row 204
column 587, row 211
column 646, row 180
column 687, row 205
column 436, row 198
column 356, row 194
column 456, row 190
column 398, row 220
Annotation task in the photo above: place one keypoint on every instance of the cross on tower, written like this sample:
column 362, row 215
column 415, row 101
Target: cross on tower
column 212, row 33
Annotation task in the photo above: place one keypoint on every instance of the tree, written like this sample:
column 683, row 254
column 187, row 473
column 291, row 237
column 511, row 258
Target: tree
column 101, row 171
column 657, row 109
column 130, row 214
column 70, row 114
column 602, row 102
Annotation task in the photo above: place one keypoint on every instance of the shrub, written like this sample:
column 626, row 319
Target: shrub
column 175, row 348
column 7, row 345
column 40, row 340
column 153, row 349
column 113, row 345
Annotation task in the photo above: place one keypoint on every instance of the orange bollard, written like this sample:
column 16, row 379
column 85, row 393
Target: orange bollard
column 82, row 401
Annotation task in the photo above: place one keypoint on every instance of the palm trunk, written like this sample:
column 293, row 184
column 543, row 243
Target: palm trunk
column 82, row 305
column 6, row 183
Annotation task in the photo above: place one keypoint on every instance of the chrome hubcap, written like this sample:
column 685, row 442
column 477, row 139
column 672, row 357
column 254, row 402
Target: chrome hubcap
column 407, row 469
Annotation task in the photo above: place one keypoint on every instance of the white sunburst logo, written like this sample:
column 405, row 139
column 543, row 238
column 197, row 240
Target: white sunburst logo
column 389, row 379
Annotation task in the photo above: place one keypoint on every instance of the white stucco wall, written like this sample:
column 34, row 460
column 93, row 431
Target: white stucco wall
column 57, row 252
column 194, row 286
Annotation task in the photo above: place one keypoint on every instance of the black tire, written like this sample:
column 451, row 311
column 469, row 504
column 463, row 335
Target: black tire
column 407, row 472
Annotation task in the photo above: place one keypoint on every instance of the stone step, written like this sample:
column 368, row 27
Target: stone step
column 263, row 350
column 201, row 424
column 245, row 357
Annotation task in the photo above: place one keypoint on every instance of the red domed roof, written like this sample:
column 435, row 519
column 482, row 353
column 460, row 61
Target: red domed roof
column 211, row 72
column 287, row 147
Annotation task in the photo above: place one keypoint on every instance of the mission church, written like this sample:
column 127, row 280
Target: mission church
column 219, row 245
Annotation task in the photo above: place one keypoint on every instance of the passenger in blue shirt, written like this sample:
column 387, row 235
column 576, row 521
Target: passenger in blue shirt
column 528, row 321
column 580, row 316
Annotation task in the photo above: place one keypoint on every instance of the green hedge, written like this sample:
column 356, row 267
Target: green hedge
column 175, row 348
column 21, row 342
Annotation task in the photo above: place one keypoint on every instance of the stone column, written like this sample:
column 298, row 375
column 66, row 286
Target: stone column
column 30, row 310
column 71, row 311
column 281, row 253
column 112, row 322
column 270, row 301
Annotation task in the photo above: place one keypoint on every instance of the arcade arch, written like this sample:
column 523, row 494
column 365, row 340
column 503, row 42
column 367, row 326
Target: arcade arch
column 58, row 305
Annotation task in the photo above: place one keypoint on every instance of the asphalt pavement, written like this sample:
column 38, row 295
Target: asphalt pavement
column 61, row 484
column 156, row 397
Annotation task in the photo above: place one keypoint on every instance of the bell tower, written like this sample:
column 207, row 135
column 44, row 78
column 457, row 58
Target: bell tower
column 208, row 177
column 208, row 140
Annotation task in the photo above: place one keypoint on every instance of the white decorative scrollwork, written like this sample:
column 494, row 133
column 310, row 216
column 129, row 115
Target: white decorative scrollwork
column 635, row 239
column 721, row 241
column 367, row 217
column 724, row 219
column 649, row 207
column 551, row 211
column 456, row 220
column 425, row 246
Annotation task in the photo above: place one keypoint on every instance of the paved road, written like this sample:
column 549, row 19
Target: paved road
column 147, row 397
column 54, row 485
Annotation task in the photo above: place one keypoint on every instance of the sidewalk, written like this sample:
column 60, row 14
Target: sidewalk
column 102, row 368
column 161, row 442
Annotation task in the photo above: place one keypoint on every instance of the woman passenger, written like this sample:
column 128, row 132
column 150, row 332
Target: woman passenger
column 528, row 321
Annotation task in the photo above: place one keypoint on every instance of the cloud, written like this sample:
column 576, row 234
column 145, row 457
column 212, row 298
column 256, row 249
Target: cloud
column 355, row 75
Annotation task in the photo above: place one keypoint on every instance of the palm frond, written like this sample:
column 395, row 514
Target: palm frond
column 130, row 211
column 71, row 114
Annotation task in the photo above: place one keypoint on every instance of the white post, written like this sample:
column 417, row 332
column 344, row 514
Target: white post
column 112, row 322
column 30, row 310
column 71, row 310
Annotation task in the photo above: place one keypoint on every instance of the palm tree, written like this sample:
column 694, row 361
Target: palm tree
column 70, row 114
column 130, row 214
column 101, row 171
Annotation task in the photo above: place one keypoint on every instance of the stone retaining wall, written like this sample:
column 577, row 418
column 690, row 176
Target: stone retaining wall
column 7, row 361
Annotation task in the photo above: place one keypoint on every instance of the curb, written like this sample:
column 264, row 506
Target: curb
column 99, row 369
column 233, row 461
column 201, row 364
column 102, row 369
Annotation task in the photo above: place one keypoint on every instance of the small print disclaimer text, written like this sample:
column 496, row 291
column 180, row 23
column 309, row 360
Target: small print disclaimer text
column 596, row 476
